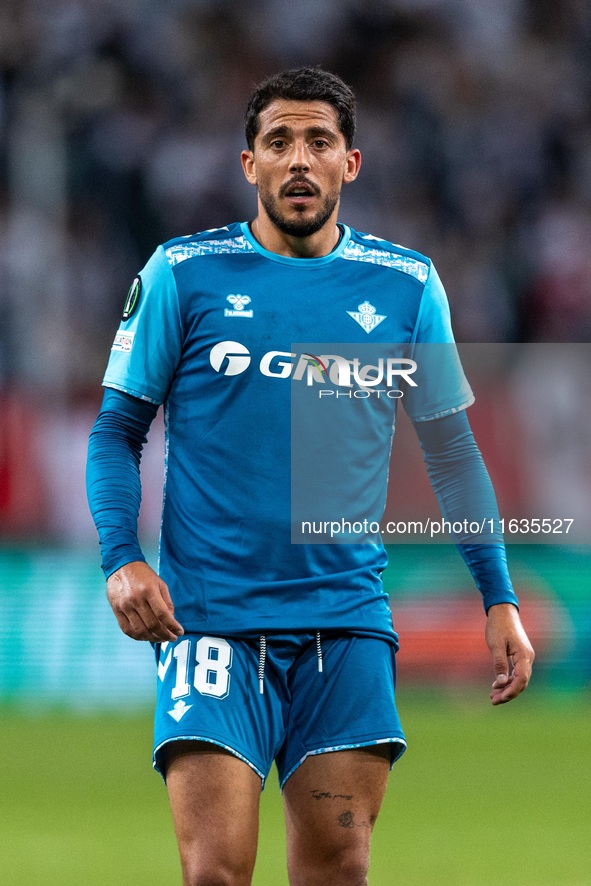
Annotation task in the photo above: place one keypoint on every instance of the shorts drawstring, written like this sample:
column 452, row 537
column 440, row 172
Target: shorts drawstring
column 262, row 658
column 319, row 652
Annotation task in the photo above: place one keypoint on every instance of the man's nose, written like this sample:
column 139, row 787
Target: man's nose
column 300, row 160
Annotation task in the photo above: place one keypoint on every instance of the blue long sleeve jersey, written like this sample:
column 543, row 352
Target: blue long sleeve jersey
column 457, row 472
column 233, row 340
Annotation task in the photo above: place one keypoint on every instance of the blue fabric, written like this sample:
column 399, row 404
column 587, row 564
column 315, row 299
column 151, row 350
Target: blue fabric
column 113, row 476
column 464, row 491
column 147, row 348
column 301, row 711
column 441, row 388
column 456, row 470
column 224, row 375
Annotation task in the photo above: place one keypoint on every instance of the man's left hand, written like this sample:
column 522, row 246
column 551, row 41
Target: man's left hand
column 511, row 650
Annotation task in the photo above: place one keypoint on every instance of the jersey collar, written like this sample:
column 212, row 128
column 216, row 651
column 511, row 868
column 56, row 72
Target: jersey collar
column 298, row 262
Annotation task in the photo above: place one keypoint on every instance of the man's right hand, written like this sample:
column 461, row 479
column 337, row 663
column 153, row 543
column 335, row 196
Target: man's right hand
column 142, row 604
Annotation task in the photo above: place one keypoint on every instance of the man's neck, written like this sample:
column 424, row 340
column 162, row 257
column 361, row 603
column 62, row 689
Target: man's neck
column 314, row 246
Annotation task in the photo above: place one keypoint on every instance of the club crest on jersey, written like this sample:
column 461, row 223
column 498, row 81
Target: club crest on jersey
column 133, row 297
column 179, row 710
column 239, row 302
column 366, row 316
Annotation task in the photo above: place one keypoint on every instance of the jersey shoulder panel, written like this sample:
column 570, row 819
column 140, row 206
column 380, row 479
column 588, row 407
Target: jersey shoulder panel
column 369, row 248
column 148, row 344
column 228, row 240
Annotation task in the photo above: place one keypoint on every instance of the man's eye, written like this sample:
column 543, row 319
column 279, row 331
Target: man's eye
column 320, row 143
column 277, row 143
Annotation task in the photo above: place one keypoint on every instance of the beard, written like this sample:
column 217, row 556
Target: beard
column 296, row 227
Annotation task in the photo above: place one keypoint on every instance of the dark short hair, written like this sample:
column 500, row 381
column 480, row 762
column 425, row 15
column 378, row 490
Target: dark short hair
column 308, row 85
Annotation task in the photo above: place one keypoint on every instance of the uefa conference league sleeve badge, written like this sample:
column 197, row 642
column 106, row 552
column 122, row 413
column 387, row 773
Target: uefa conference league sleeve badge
column 133, row 298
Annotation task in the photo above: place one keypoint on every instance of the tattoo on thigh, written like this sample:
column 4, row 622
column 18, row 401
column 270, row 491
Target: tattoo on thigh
column 326, row 795
column 347, row 820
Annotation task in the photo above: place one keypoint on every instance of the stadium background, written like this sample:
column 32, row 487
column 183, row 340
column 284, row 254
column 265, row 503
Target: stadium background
column 120, row 126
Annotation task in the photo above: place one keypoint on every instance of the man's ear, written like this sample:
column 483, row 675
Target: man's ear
column 248, row 165
column 352, row 166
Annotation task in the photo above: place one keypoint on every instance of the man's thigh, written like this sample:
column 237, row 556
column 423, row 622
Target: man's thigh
column 343, row 734
column 214, row 798
column 331, row 804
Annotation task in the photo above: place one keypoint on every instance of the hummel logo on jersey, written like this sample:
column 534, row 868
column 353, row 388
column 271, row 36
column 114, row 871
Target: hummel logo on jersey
column 179, row 710
column 239, row 301
column 367, row 317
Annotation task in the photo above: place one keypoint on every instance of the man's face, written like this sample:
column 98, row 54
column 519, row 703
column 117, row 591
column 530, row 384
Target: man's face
column 299, row 164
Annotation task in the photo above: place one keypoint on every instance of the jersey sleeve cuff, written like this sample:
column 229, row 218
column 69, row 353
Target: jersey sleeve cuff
column 126, row 551
column 451, row 411
column 493, row 599
column 129, row 389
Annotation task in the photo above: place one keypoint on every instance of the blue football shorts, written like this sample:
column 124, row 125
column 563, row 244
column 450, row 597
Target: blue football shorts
column 319, row 693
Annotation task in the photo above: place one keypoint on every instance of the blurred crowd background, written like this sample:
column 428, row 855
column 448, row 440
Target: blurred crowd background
column 121, row 124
